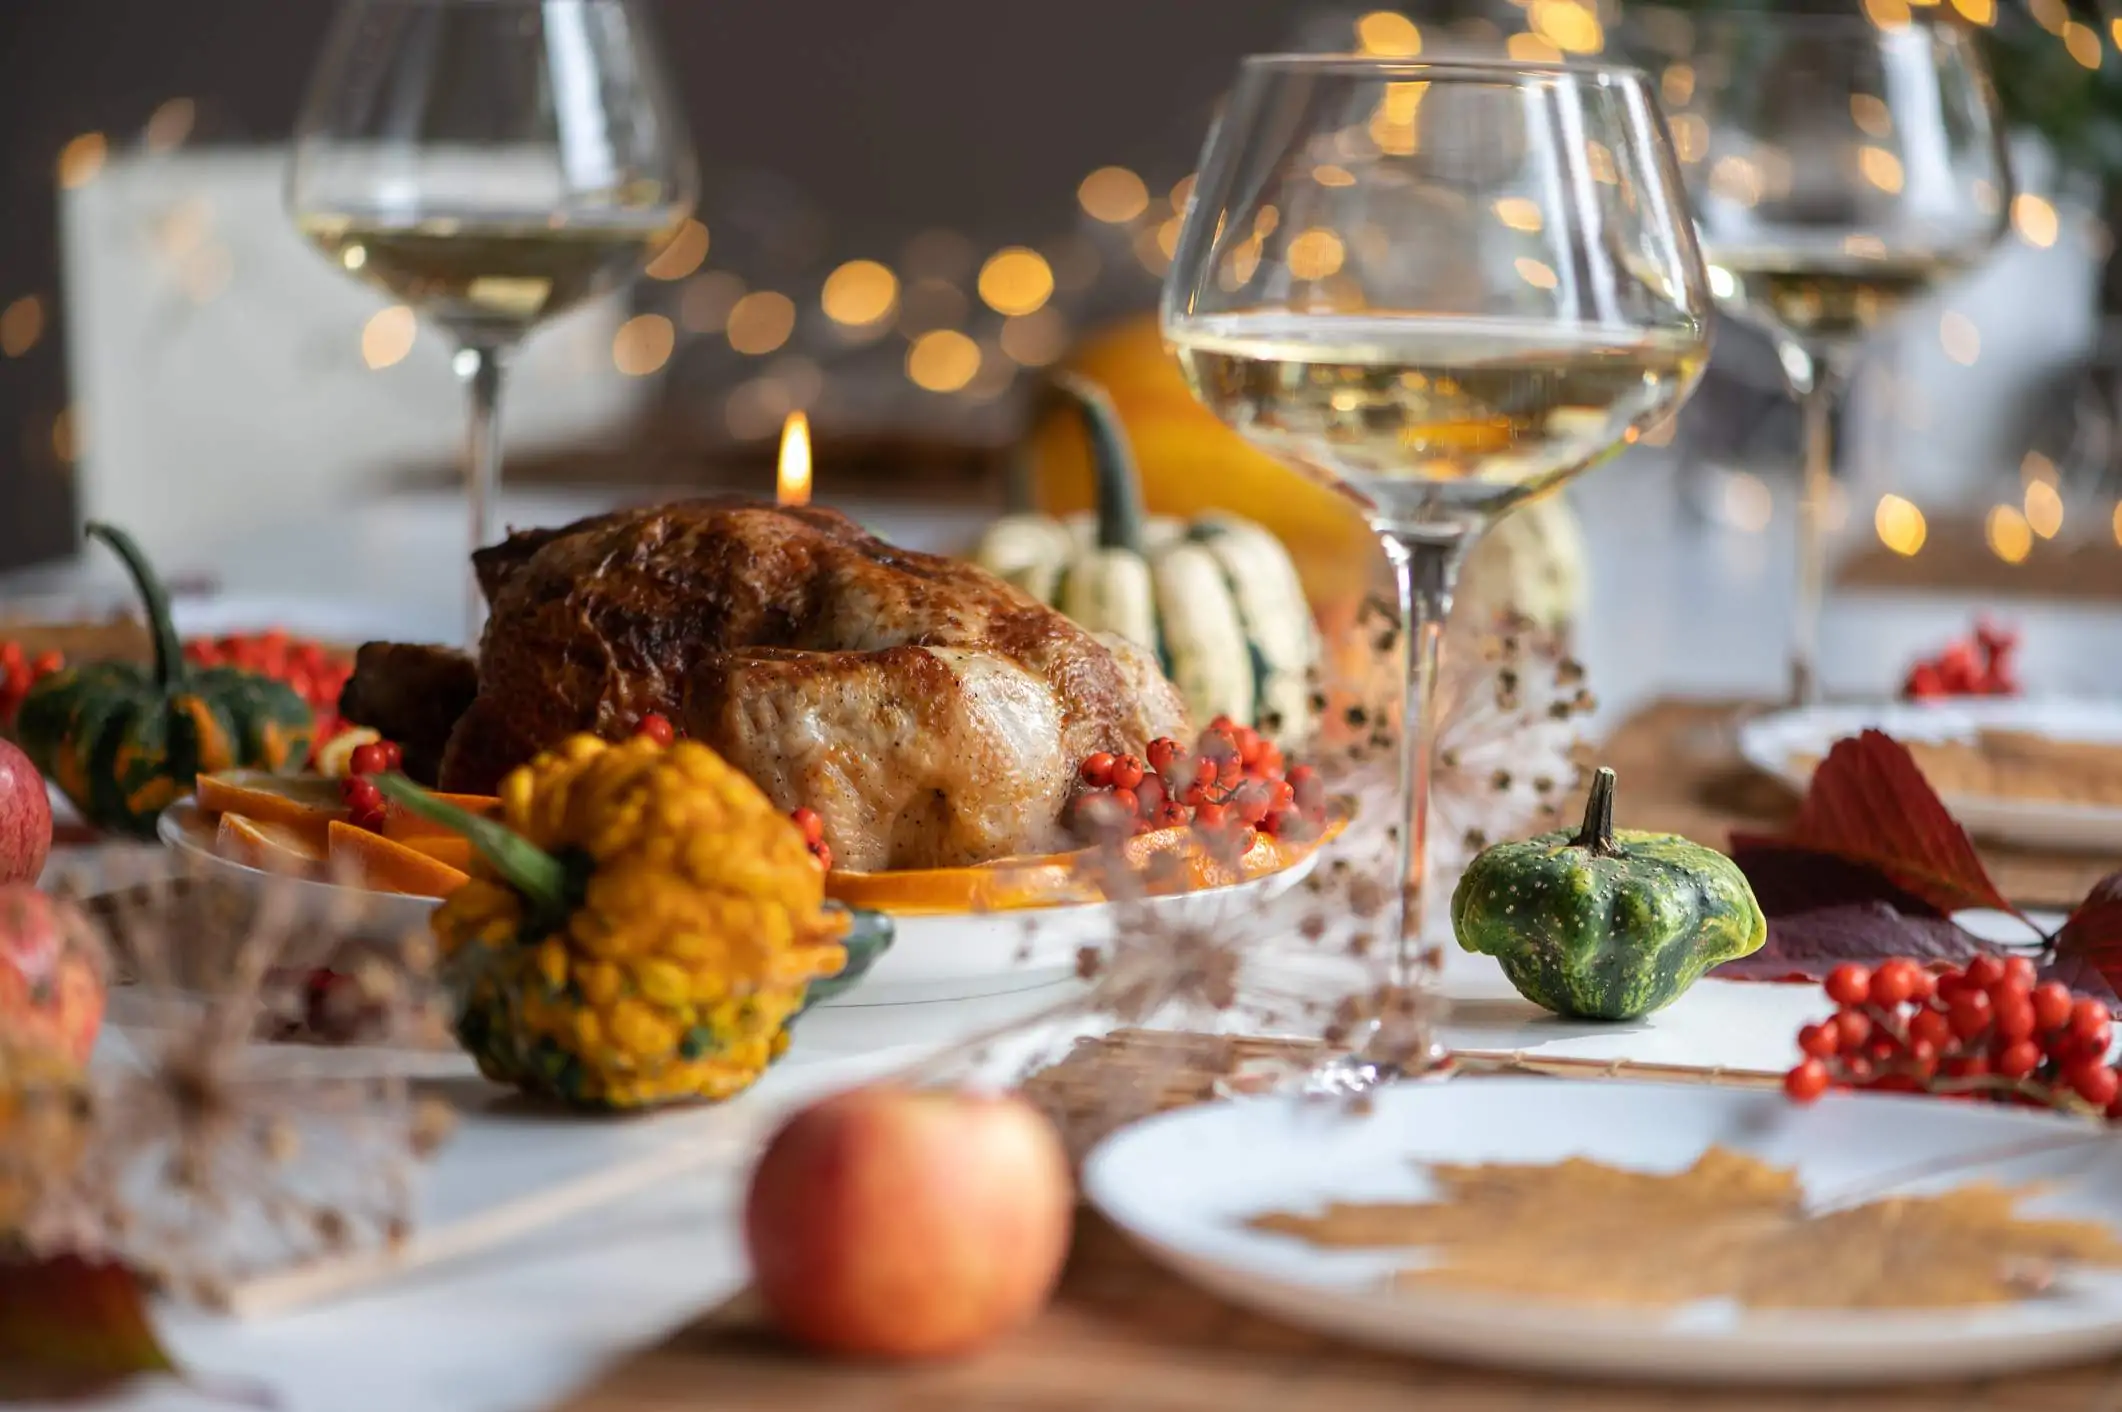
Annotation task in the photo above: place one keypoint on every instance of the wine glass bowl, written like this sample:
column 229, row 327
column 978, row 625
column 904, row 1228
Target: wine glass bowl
column 491, row 163
column 1842, row 169
column 1441, row 289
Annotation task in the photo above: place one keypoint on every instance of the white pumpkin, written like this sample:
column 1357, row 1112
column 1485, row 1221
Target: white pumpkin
column 1216, row 598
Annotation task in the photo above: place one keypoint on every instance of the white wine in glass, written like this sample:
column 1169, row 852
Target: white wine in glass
column 1843, row 167
column 492, row 164
column 1440, row 289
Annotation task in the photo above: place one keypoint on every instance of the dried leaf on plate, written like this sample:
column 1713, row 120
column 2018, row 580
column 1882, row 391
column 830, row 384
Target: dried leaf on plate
column 1729, row 1227
column 2093, row 934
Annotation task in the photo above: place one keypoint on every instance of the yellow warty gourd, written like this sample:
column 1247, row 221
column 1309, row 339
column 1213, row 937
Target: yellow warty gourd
column 693, row 921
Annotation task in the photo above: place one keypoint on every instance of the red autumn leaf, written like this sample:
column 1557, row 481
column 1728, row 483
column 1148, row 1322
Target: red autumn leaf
column 1807, row 945
column 2093, row 933
column 72, row 1328
column 1869, row 804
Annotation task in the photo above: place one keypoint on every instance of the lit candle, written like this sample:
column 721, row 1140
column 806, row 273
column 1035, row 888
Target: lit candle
column 792, row 481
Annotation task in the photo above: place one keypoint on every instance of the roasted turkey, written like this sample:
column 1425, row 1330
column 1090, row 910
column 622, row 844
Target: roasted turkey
column 931, row 713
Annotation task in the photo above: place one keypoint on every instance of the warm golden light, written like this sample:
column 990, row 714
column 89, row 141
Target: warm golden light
column 2035, row 220
column 1887, row 14
column 1388, row 34
column 2116, row 522
column 1315, row 254
column 1519, row 213
column 1569, row 25
column 2010, row 537
column 1536, row 273
column 169, row 125
column 1529, row 48
column 2082, row 42
column 1016, row 280
column 859, row 292
column 1736, row 180
column 2051, row 15
column 942, row 361
column 2036, row 466
column 21, row 325
column 2044, row 509
column 388, row 336
column 1678, row 84
column 1035, row 340
column 761, row 321
column 1900, row 525
column 1982, row 12
column 1690, row 136
column 643, row 345
column 685, row 254
column 1329, row 174
column 1168, row 237
column 792, row 474
column 1881, row 168
column 1870, row 113
column 66, row 437
column 1114, row 195
column 82, row 159
column 1960, row 338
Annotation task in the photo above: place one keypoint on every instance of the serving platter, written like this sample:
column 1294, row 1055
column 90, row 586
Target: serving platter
column 933, row 956
column 1185, row 1185
column 1786, row 743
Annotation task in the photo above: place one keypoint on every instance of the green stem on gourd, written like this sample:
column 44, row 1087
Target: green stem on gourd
column 1597, row 835
column 1122, row 522
column 170, row 665
column 543, row 879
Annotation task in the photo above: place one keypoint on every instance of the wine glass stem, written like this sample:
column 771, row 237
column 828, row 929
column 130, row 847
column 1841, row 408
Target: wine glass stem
column 1426, row 568
column 1817, row 400
column 483, row 368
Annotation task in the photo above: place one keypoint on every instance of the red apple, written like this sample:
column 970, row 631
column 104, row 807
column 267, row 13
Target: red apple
column 52, row 968
column 901, row 1223
column 25, row 817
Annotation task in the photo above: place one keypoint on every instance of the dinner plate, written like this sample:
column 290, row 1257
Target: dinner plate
column 1778, row 745
column 956, row 956
column 1184, row 1185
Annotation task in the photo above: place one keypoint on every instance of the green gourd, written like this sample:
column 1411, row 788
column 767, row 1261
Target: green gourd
column 124, row 742
column 1606, row 925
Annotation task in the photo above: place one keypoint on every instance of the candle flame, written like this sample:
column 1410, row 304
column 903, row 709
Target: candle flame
column 792, row 482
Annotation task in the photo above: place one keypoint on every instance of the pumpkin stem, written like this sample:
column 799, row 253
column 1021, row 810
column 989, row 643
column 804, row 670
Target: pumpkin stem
column 1597, row 835
column 539, row 876
column 169, row 648
column 1122, row 521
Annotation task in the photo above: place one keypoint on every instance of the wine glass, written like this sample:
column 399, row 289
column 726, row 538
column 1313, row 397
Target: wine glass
column 1442, row 289
column 1841, row 169
column 491, row 163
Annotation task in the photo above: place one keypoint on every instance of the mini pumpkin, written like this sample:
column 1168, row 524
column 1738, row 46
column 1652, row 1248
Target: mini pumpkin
column 640, row 927
column 124, row 742
column 1606, row 925
column 1217, row 597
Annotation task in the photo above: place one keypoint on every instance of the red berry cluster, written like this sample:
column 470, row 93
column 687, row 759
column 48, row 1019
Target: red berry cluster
column 1232, row 778
column 18, row 673
column 1980, row 665
column 1992, row 1030
column 365, row 808
column 813, row 826
column 657, row 727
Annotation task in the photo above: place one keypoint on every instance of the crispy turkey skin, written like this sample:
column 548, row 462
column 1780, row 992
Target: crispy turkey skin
column 932, row 714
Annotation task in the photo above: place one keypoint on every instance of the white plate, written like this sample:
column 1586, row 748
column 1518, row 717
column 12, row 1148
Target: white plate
column 1184, row 1184
column 953, row 957
column 1775, row 744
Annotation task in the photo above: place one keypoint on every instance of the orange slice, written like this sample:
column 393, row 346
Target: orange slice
column 405, row 826
column 1056, row 879
column 303, row 802
column 452, row 849
column 390, row 866
column 278, row 848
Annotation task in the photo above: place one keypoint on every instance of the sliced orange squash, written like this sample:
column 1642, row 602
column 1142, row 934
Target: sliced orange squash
column 278, row 848
column 303, row 802
column 450, row 848
column 404, row 826
column 390, row 866
column 1057, row 879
